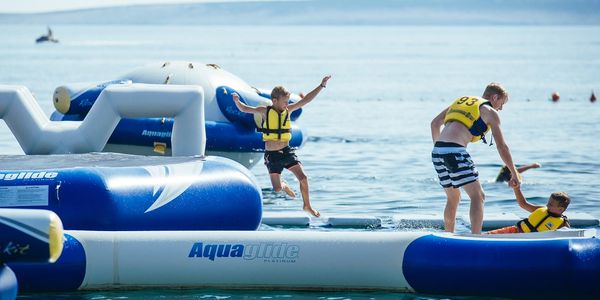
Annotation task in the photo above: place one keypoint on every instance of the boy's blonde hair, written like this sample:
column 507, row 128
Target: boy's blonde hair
column 562, row 199
column 278, row 92
column 495, row 88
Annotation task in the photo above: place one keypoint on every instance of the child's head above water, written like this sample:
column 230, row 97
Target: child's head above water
column 558, row 203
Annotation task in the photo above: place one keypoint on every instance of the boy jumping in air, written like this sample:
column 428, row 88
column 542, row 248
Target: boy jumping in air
column 276, row 129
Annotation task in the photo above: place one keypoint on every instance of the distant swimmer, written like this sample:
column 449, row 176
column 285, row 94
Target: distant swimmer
column 547, row 217
column 555, row 96
column 276, row 133
column 467, row 120
column 593, row 97
column 49, row 37
column 504, row 174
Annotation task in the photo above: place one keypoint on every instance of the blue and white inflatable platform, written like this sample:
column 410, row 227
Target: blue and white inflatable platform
column 109, row 191
column 229, row 132
column 429, row 263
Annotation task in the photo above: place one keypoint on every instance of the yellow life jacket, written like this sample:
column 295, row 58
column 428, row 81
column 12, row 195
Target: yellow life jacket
column 541, row 220
column 276, row 126
column 466, row 111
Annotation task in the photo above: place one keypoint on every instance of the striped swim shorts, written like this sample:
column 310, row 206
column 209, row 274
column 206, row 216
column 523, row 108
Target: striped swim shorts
column 453, row 165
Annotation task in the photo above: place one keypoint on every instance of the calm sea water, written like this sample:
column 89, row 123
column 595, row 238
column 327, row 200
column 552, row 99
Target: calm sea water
column 369, row 145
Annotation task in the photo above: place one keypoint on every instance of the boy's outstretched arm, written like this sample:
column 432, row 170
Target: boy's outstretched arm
column 247, row 108
column 523, row 202
column 310, row 96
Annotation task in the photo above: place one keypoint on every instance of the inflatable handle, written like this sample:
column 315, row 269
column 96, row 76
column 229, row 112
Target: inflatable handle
column 79, row 98
column 30, row 235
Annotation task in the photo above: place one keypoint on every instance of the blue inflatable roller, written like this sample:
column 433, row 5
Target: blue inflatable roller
column 107, row 191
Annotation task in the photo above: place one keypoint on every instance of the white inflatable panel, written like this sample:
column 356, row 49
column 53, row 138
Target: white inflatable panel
column 299, row 260
column 420, row 220
column 493, row 221
column 353, row 221
column 579, row 219
column 284, row 218
column 38, row 135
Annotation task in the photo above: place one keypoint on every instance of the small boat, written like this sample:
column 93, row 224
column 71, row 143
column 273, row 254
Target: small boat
column 48, row 37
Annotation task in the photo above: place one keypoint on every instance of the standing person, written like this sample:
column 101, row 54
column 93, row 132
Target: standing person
column 466, row 120
column 277, row 134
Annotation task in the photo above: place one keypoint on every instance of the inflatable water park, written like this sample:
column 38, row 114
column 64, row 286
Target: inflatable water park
column 229, row 132
column 74, row 218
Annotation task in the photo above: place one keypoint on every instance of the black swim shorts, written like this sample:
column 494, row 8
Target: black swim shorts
column 277, row 160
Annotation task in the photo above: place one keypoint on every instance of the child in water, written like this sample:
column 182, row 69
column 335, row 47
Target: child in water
column 276, row 129
column 547, row 217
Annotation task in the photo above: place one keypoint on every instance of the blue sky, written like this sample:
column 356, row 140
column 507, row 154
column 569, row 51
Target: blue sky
column 33, row 6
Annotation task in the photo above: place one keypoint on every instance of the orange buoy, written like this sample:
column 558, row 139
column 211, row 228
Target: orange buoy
column 593, row 97
column 555, row 96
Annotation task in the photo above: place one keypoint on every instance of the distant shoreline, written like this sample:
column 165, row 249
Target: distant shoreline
column 332, row 12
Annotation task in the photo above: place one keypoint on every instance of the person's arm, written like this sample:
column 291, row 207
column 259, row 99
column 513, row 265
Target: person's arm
column 523, row 202
column 310, row 96
column 247, row 108
column 436, row 124
column 493, row 120
column 527, row 167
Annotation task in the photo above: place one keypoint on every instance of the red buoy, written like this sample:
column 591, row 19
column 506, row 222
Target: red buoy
column 555, row 96
column 593, row 97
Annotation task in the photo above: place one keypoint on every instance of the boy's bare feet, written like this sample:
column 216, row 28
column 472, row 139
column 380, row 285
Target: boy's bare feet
column 312, row 211
column 286, row 188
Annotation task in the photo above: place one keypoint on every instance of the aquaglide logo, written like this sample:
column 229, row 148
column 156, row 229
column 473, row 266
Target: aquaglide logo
column 28, row 175
column 269, row 252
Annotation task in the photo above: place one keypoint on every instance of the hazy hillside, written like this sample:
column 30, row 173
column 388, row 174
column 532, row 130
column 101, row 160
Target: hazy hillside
column 334, row 12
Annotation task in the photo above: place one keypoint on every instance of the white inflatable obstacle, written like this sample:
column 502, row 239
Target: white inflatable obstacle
column 422, row 262
column 229, row 132
column 37, row 135
column 29, row 236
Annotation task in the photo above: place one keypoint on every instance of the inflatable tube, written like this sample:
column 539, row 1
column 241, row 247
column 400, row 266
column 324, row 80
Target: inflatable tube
column 79, row 98
column 398, row 261
column 441, row 264
column 37, row 135
column 8, row 283
column 66, row 274
column 126, row 192
column 28, row 235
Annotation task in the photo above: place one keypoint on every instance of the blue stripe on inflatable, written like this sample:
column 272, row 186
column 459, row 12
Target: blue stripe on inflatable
column 220, row 136
column 8, row 283
column 564, row 268
column 66, row 274
column 18, row 245
column 214, row 194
